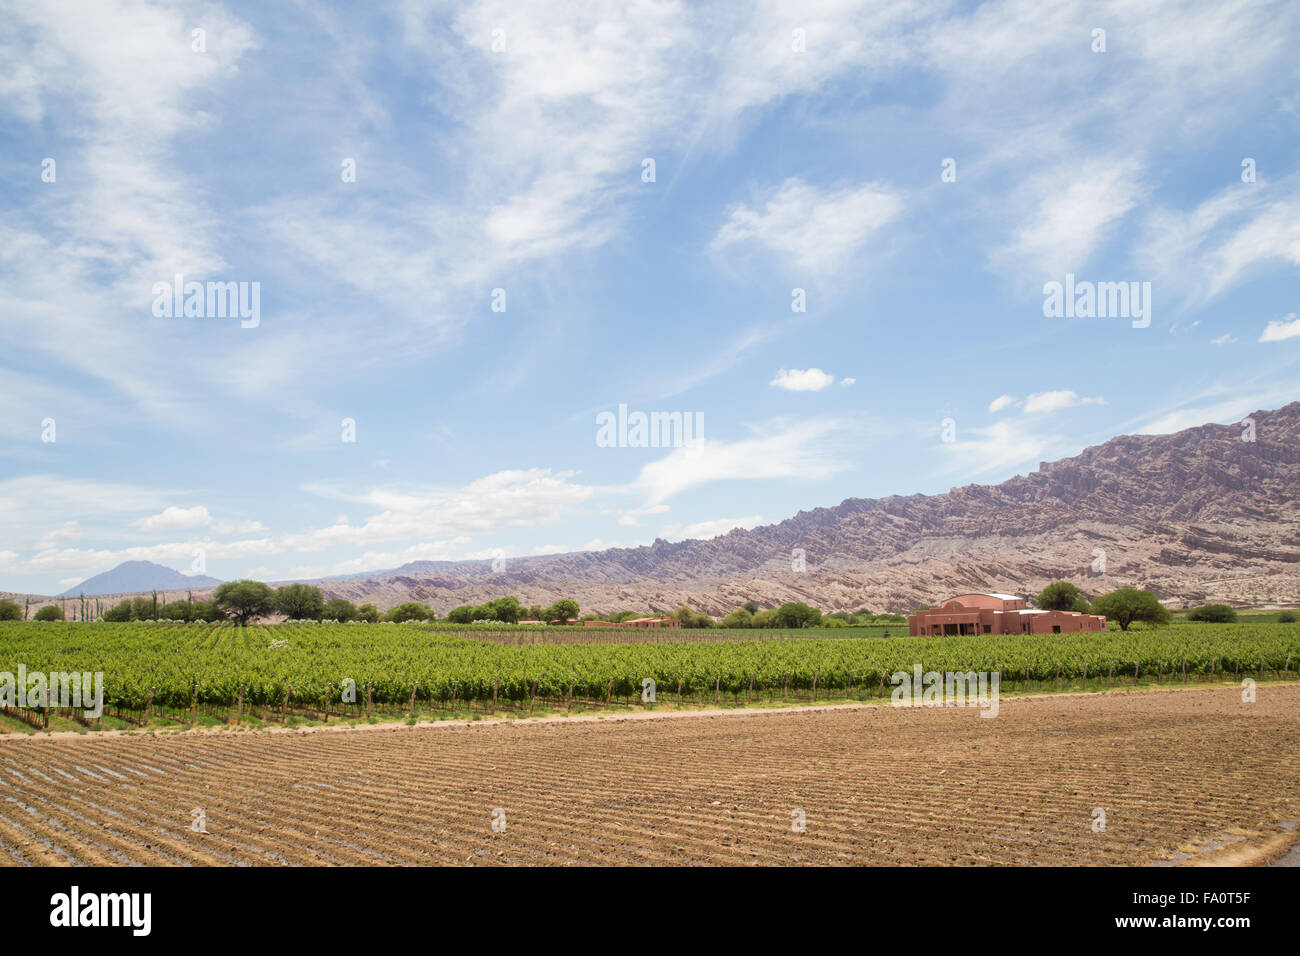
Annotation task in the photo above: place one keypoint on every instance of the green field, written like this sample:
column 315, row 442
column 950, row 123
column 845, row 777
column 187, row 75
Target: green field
column 518, row 634
column 164, row 662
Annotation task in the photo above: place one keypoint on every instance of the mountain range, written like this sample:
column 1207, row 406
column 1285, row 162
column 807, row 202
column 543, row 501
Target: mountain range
column 1205, row 514
column 138, row 576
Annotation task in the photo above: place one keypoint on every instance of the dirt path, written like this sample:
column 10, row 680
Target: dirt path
column 1172, row 773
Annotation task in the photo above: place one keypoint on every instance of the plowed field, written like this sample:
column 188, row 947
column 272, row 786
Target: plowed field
column 1170, row 769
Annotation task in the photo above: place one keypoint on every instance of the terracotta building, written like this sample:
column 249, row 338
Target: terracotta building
column 998, row 614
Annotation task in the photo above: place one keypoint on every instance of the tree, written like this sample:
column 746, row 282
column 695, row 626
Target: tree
column 461, row 615
column 340, row 609
column 1214, row 614
column 143, row 609
column 51, row 612
column 1287, row 617
column 701, row 620
column 751, row 607
column 206, row 611
column 797, row 614
column 368, row 613
column 562, row 610
column 684, row 615
column 410, row 611
column 1127, row 605
column 299, row 602
column 243, row 600
column 738, row 618
column 9, row 611
column 507, row 610
column 1081, row 605
column 119, row 613
column 176, row 611
column 1058, row 596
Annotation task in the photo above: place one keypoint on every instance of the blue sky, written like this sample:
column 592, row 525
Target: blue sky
column 783, row 160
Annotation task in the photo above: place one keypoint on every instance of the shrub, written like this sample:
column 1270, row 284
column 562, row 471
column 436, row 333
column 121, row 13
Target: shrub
column 1214, row 613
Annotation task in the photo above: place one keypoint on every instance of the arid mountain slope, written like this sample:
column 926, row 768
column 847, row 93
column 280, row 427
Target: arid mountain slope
column 1198, row 515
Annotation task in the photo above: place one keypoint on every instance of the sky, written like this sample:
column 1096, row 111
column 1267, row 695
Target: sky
column 825, row 233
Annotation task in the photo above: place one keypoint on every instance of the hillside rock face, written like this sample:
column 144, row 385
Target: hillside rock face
column 1197, row 516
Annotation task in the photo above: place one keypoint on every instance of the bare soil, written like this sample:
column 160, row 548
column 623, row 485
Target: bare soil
column 1173, row 772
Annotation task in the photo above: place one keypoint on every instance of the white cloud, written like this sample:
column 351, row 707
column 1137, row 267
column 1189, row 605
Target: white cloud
column 1224, row 339
column 999, row 403
column 1224, row 413
column 801, row 450
column 803, row 380
column 1279, row 331
column 848, row 381
column 1067, row 213
column 237, row 527
column 630, row 518
column 1000, row 447
column 815, row 231
column 1042, row 403
column 506, row 500
column 705, row 530
column 121, row 81
column 1203, row 252
column 173, row 518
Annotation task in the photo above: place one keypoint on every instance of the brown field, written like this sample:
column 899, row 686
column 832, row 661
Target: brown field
column 1176, row 771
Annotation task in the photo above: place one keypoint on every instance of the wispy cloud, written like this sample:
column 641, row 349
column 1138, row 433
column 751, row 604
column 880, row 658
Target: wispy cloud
column 812, row 231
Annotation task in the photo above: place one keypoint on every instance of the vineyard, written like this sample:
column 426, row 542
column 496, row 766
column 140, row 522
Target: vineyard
column 519, row 635
column 318, row 670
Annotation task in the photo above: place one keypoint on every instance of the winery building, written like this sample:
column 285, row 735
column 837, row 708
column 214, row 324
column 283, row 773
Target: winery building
column 998, row 614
